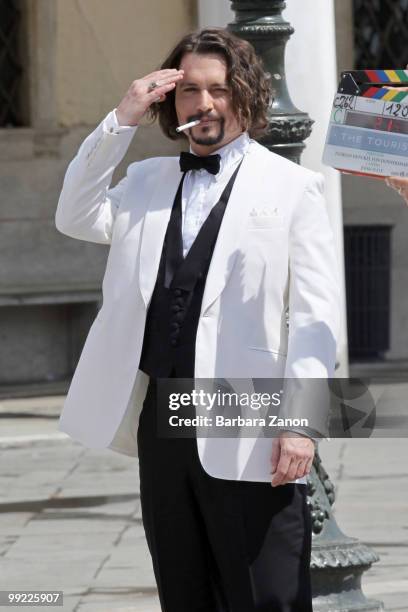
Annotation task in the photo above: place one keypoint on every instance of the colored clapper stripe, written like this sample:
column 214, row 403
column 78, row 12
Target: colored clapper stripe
column 387, row 76
column 384, row 93
column 382, row 75
column 403, row 75
column 373, row 76
column 389, row 95
column 395, row 96
column 380, row 93
column 400, row 96
column 370, row 93
column 393, row 76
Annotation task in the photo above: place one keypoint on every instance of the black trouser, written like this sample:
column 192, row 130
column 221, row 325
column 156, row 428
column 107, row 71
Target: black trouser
column 220, row 545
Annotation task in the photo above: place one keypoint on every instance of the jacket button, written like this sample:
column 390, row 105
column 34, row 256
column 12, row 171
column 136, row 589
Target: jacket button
column 173, row 342
column 178, row 317
column 177, row 292
column 175, row 326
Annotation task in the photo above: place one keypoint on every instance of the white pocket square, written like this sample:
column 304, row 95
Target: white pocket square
column 265, row 213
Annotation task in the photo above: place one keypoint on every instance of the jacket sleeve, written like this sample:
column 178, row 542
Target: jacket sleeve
column 314, row 288
column 314, row 312
column 87, row 205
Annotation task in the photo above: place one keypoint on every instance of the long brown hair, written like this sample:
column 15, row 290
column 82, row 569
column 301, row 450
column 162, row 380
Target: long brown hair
column 249, row 84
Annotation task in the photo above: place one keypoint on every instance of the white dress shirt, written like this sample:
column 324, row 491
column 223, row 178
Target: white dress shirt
column 201, row 190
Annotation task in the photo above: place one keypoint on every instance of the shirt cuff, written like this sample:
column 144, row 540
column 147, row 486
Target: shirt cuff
column 111, row 124
column 306, row 432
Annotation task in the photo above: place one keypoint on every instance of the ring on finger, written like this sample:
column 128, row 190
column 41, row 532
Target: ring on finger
column 152, row 85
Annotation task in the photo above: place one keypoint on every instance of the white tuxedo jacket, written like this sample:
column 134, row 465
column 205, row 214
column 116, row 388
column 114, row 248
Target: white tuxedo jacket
column 275, row 248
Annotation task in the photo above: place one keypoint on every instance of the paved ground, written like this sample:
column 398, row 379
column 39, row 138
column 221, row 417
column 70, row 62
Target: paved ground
column 70, row 517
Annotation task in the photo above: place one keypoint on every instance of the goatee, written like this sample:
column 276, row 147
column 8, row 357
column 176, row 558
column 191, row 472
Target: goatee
column 210, row 140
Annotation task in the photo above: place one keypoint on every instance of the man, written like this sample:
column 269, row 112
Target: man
column 206, row 253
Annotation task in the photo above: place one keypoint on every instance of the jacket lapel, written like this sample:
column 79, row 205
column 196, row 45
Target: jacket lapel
column 155, row 224
column 250, row 177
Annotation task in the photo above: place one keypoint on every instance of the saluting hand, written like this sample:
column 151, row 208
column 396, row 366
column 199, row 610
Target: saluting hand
column 141, row 95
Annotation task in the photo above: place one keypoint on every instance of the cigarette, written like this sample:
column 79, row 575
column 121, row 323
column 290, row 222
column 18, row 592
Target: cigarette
column 181, row 128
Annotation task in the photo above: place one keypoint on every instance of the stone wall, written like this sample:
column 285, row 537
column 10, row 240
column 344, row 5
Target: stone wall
column 83, row 55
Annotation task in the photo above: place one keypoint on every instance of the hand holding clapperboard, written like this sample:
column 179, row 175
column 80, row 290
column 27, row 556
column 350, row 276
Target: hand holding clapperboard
column 368, row 131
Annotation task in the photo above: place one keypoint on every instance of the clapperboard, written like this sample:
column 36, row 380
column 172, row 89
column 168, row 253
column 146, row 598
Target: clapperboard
column 368, row 131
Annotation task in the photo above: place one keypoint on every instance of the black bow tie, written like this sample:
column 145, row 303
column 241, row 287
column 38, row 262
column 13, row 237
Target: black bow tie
column 211, row 163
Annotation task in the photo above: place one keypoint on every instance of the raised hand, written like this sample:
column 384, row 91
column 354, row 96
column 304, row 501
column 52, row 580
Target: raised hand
column 141, row 94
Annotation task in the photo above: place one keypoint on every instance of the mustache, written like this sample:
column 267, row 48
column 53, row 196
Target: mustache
column 200, row 116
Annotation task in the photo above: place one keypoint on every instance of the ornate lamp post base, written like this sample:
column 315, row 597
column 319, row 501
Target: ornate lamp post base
column 338, row 561
column 337, row 568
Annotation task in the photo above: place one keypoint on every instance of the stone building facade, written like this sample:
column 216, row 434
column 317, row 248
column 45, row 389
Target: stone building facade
column 373, row 34
column 65, row 64
column 68, row 62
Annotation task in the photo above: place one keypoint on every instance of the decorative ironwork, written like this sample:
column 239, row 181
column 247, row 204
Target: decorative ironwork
column 321, row 495
column 10, row 67
column 261, row 22
column 381, row 33
column 368, row 277
column 287, row 131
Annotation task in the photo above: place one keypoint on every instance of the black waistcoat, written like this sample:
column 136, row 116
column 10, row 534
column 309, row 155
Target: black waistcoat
column 174, row 310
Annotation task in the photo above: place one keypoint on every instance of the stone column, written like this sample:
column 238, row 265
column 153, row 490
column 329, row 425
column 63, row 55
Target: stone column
column 312, row 81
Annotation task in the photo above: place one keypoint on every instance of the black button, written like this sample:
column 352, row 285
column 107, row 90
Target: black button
column 175, row 308
column 177, row 292
column 178, row 317
column 180, row 302
column 175, row 325
column 173, row 342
